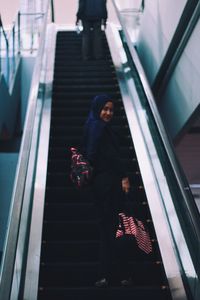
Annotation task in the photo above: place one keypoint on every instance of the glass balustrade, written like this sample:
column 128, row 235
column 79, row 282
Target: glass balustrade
column 22, row 37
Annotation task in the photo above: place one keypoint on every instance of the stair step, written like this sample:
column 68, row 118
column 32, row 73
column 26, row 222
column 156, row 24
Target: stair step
column 78, row 111
column 70, row 251
column 82, row 95
column 74, row 121
column 78, row 131
column 85, row 274
column 74, row 140
column 83, row 88
column 60, row 152
column 84, row 66
column 62, row 179
column 68, row 194
column 117, row 293
column 69, row 211
column 71, row 194
column 62, row 165
column 80, row 74
column 69, row 230
column 80, row 103
column 83, row 251
column 81, row 81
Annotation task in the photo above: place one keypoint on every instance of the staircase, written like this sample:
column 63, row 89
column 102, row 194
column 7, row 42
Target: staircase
column 70, row 242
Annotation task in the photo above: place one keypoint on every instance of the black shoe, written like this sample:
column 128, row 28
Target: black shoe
column 101, row 283
column 127, row 282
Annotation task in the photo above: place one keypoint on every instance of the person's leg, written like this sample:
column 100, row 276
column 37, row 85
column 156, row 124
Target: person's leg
column 86, row 40
column 107, row 215
column 97, row 40
column 107, row 227
column 125, row 250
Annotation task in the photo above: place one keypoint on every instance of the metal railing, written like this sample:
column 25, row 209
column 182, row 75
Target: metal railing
column 23, row 36
column 12, row 263
column 7, row 54
column 184, row 203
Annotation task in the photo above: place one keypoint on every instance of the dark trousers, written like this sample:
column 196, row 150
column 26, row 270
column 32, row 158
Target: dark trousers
column 108, row 196
column 92, row 40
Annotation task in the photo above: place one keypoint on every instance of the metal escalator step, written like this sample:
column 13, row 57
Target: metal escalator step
column 74, row 120
column 78, row 130
column 68, row 194
column 62, row 179
column 91, row 293
column 84, row 274
column 87, row 80
column 87, row 64
column 69, row 211
column 69, row 251
column 61, row 152
column 82, row 66
column 81, row 72
column 62, row 165
column 81, row 103
column 96, row 88
column 85, row 74
column 70, row 230
column 78, row 111
column 89, row 95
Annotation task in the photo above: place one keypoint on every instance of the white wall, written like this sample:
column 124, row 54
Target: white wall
column 133, row 4
column 182, row 95
column 65, row 11
column 158, row 25
column 8, row 10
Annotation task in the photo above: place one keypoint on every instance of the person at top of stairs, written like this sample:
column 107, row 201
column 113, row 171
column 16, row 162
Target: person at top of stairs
column 92, row 13
column 110, row 181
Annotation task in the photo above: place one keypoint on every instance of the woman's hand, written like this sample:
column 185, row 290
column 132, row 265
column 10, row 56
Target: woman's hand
column 125, row 185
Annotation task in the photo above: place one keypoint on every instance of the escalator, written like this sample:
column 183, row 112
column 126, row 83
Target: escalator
column 69, row 263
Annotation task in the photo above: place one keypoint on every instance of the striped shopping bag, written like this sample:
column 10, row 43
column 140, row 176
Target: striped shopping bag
column 130, row 226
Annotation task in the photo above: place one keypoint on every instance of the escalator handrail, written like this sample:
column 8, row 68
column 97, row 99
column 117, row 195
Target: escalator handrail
column 10, row 244
column 180, row 177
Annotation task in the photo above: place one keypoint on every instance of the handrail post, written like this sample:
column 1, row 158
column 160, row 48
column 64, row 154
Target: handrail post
column 52, row 12
column 19, row 29
column 0, row 41
column 8, row 62
column 7, row 49
column 13, row 50
column 0, row 47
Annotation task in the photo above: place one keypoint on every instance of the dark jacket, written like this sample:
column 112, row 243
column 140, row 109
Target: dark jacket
column 100, row 143
column 104, row 152
column 92, row 10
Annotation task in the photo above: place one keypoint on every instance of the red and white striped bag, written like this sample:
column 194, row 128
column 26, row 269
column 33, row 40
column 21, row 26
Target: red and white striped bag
column 130, row 226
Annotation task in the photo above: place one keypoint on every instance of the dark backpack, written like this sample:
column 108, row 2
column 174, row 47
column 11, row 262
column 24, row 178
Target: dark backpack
column 81, row 170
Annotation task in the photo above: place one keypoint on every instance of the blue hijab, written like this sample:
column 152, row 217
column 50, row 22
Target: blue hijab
column 94, row 126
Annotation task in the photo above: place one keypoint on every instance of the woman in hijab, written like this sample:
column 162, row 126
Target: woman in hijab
column 110, row 181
